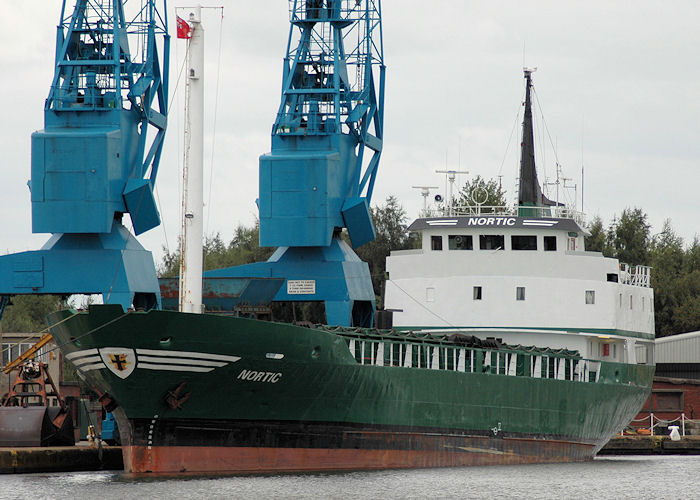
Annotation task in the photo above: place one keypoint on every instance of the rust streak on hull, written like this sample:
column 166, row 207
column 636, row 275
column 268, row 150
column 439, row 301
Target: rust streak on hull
column 204, row 459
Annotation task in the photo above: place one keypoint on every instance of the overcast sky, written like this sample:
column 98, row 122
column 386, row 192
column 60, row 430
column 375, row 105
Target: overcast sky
column 618, row 82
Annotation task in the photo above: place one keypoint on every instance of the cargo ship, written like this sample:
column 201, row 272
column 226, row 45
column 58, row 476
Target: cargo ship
column 510, row 344
column 206, row 393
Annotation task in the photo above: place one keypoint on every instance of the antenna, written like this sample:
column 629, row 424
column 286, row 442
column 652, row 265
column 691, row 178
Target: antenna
column 574, row 187
column 451, row 175
column 581, row 163
column 581, row 187
column 459, row 152
column 425, row 192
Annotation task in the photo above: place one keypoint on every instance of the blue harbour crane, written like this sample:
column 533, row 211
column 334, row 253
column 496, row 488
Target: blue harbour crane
column 97, row 157
column 320, row 173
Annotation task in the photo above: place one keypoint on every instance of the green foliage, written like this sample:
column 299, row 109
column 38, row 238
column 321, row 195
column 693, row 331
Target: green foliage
column 691, row 259
column 667, row 254
column 480, row 191
column 666, row 257
column 28, row 313
column 676, row 281
column 242, row 249
column 687, row 315
column 392, row 234
column 598, row 240
column 630, row 237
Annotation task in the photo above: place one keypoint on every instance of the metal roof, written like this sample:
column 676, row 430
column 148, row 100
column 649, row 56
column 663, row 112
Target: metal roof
column 681, row 348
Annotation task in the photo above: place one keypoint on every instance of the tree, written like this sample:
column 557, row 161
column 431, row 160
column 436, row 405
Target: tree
column 245, row 247
column 392, row 234
column 479, row 191
column 676, row 282
column 666, row 259
column 242, row 249
column 666, row 254
column 598, row 241
column 691, row 259
column 687, row 315
column 28, row 313
column 630, row 237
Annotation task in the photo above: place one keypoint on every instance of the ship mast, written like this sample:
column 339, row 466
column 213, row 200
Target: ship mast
column 530, row 192
column 191, row 251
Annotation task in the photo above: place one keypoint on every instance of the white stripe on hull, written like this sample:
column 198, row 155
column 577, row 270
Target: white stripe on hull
column 186, row 354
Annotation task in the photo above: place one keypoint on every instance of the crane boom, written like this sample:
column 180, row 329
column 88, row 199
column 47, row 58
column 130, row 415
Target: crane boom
column 28, row 354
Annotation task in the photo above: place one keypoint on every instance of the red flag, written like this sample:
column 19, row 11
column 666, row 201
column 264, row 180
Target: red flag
column 183, row 28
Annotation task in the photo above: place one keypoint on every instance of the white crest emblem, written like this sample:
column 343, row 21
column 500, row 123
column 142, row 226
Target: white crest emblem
column 119, row 360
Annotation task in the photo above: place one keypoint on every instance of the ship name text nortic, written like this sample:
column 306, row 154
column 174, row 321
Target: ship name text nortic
column 255, row 376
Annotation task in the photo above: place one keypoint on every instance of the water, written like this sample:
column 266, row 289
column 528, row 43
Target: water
column 671, row 477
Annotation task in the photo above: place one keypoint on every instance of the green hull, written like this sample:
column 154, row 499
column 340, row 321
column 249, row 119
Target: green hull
column 273, row 378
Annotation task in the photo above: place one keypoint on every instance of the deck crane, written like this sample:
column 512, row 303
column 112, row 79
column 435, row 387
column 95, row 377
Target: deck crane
column 319, row 176
column 97, row 157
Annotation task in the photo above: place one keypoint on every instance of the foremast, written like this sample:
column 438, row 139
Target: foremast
column 192, row 229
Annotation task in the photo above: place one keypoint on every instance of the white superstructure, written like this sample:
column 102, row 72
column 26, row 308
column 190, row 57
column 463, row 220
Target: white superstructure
column 525, row 280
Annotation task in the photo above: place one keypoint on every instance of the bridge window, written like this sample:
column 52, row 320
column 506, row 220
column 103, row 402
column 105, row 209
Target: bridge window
column 550, row 243
column 491, row 242
column 477, row 293
column 436, row 242
column 523, row 242
column 520, row 293
column 460, row 242
column 590, row 296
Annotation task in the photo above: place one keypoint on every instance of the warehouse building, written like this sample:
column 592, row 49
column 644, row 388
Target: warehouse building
column 675, row 392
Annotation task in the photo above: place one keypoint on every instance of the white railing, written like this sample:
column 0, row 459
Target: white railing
column 636, row 276
column 505, row 210
column 377, row 352
column 654, row 422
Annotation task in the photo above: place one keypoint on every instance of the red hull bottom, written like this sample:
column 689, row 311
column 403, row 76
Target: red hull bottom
column 205, row 459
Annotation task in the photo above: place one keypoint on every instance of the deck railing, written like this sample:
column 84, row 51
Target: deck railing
column 636, row 276
column 509, row 362
column 505, row 210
